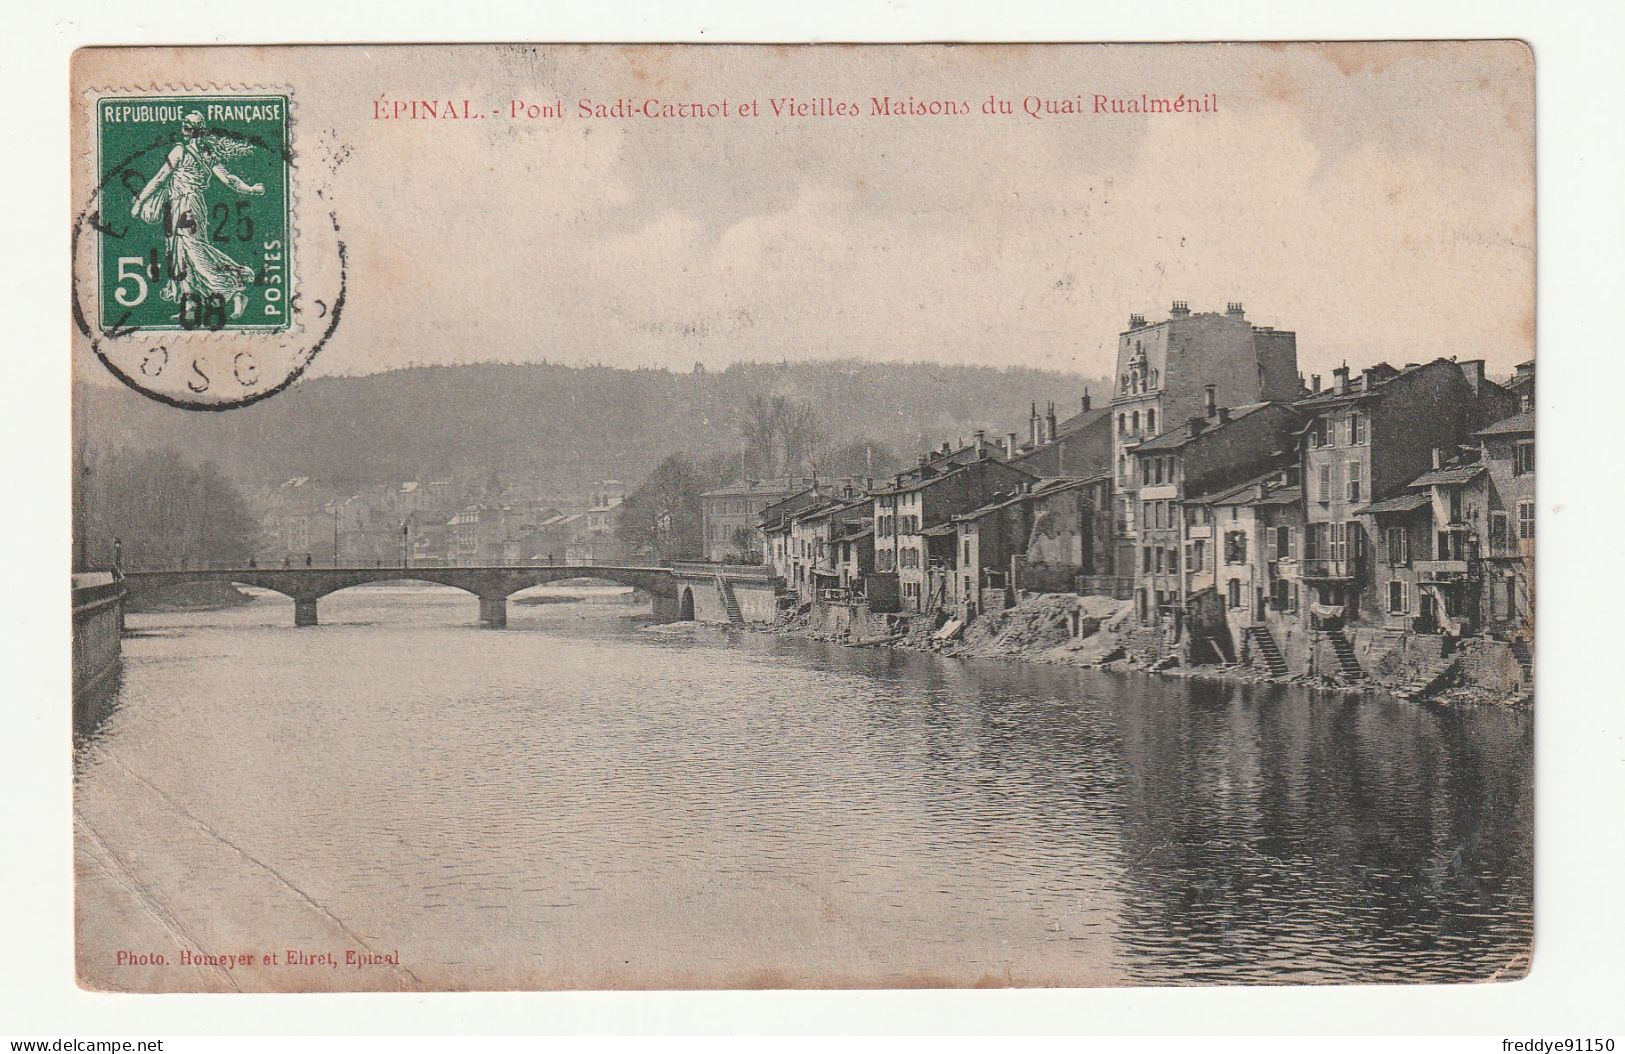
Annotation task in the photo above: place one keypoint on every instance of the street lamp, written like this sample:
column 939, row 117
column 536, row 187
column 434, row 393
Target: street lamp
column 405, row 545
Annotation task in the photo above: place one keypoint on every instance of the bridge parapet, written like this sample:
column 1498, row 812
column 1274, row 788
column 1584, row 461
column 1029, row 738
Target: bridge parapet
column 492, row 585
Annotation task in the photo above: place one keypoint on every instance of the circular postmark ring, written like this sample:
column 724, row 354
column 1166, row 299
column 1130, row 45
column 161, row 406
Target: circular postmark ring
column 163, row 289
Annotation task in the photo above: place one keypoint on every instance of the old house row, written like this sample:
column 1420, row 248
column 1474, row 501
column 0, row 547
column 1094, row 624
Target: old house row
column 1244, row 513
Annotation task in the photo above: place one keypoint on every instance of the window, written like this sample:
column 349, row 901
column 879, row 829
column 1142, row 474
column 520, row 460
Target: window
column 1122, row 419
column 1151, row 421
column 1147, row 566
column 1234, row 589
column 1134, row 420
column 1159, row 560
column 1156, row 470
column 1398, row 597
column 1500, row 537
column 1523, row 459
column 1356, row 474
column 1324, row 495
column 1356, row 428
column 1526, row 519
column 1272, row 543
column 1319, row 433
column 967, row 551
column 1235, row 547
column 1399, row 547
column 1197, row 555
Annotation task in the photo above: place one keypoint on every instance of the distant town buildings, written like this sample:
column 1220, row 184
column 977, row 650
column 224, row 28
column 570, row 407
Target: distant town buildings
column 730, row 516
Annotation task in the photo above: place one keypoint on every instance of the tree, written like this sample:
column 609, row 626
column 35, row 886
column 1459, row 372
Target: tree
column 663, row 514
column 165, row 511
column 781, row 435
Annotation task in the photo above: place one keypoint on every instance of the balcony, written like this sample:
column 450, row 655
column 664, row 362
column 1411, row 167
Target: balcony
column 1330, row 570
column 1441, row 569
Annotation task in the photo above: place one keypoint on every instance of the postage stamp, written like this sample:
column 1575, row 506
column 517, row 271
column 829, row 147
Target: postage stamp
column 196, row 212
column 197, row 281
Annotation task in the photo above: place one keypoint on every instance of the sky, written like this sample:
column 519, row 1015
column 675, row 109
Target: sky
column 1375, row 198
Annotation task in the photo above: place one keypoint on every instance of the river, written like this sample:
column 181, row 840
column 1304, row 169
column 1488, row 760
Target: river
column 587, row 800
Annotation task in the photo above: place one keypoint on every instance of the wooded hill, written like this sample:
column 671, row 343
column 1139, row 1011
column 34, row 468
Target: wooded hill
column 567, row 424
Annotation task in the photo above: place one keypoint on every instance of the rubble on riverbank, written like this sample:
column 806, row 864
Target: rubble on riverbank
column 1101, row 633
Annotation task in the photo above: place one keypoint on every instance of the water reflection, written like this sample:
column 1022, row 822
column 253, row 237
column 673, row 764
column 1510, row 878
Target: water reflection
column 586, row 800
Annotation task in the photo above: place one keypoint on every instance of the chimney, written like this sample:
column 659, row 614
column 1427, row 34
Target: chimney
column 1033, row 426
column 1210, row 401
column 1438, row 457
column 1010, row 445
column 1340, row 379
column 1197, row 425
column 1224, row 414
column 1180, row 309
column 1233, row 309
column 1136, row 322
column 1049, row 422
column 1086, row 400
column 1314, row 383
column 981, row 442
column 1473, row 370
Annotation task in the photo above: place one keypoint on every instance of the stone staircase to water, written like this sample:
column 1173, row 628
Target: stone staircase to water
column 1348, row 667
column 730, row 602
column 1428, row 680
column 1268, row 650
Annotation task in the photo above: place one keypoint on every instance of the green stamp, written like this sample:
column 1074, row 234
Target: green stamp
column 194, row 214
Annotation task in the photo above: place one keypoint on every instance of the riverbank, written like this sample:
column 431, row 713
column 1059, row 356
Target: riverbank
column 187, row 596
column 1094, row 632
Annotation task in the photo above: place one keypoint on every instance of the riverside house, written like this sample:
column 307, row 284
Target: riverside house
column 928, row 497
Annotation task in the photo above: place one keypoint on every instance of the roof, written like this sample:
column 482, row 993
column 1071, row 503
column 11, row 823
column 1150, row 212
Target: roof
column 861, row 531
column 829, row 507
column 1237, row 493
column 1079, row 421
column 1178, row 436
column 940, row 530
column 922, row 483
column 1040, row 489
column 1282, row 496
column 1446, row 476
column 785, row 485
column 1357, row 388
column 1398, row 503
column 1518, row 424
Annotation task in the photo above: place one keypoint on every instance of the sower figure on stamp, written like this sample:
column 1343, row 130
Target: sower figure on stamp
column 174, row 197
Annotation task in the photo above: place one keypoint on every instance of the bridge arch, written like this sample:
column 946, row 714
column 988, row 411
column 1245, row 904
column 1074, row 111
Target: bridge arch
column 685, row 605
column 492, row 585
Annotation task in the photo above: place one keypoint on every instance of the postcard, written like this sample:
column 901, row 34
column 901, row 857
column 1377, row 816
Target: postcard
column 682, row 516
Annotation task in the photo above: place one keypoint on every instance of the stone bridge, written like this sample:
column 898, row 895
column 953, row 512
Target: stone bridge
column 492, row 585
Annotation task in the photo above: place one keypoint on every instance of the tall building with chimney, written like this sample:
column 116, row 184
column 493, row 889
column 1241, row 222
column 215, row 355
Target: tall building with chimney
column 1167, row 372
